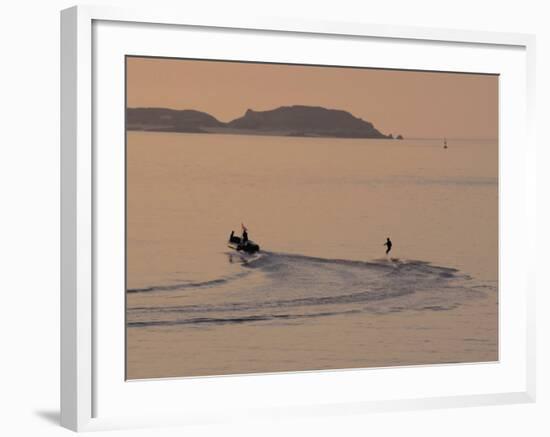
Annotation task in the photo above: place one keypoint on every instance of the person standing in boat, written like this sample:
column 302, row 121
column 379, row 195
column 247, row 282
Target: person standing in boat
column 388, row 244
column 244, row 239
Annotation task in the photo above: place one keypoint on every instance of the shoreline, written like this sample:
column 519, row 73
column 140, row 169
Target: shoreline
column 248, row 132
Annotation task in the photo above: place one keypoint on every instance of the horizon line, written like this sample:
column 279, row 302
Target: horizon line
column 422, row 137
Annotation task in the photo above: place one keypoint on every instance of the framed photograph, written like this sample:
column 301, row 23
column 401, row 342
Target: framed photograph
column 266, row 218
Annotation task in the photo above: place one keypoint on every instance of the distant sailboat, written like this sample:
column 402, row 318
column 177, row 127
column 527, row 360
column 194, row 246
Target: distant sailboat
column 444, row 143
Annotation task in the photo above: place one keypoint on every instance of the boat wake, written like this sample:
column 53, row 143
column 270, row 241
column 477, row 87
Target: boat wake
column 275, row 287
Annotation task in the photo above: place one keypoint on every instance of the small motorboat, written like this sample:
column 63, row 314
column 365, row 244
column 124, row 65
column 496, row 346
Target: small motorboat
column 237, row 244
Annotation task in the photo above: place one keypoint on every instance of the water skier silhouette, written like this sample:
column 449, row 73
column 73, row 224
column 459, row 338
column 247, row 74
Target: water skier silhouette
column 389, row 244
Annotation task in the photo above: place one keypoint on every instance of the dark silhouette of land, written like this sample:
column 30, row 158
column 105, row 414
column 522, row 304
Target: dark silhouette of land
column 302, row 121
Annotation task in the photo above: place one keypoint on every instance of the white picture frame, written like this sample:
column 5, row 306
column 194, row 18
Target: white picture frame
column 91, row 392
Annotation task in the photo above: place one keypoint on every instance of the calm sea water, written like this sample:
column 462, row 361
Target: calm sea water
column 321, row 210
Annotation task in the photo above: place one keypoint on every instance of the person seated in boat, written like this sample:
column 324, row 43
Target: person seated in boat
column 233, row 238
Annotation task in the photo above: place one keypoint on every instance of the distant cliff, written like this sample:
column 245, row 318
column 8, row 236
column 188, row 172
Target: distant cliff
column 307, row 121
column 169, row 120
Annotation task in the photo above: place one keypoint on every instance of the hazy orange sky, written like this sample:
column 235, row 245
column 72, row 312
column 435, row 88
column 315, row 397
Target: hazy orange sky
column 411, row 103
